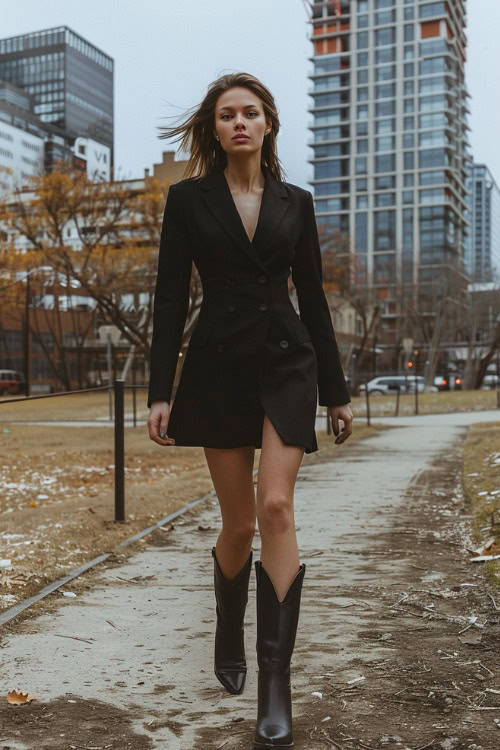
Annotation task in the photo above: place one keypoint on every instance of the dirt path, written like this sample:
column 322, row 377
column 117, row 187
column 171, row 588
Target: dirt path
column 380, row 659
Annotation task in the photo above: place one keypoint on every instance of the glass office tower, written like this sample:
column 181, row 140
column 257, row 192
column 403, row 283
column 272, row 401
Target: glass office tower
column 390, row 136
column 483, row 257
column 70, row 80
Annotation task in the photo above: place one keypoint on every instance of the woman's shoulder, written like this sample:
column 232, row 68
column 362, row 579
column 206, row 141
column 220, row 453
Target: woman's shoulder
column 299, row 192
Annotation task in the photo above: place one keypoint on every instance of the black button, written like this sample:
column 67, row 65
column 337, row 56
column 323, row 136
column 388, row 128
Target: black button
column 283, row 344
column 229, row 281
column 220, row 347
column 262, row 307
column 262, row 279
column 231, row 308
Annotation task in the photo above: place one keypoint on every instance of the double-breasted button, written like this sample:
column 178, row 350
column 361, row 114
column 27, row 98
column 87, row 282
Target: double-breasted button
column 220, row 347
column 262, row 279
column 229, row 281
column 231, row 308
column 283, row 344
column 262, row 307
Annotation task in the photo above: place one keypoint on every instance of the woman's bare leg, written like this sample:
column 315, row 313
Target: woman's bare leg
column 278, row 467
column 232, row 475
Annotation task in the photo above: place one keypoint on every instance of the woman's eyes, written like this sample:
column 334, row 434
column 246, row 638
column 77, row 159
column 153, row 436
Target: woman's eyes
column 252, row 112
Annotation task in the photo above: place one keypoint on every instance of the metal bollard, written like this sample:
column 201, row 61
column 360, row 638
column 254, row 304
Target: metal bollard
column 119, row 451
column 368, row 420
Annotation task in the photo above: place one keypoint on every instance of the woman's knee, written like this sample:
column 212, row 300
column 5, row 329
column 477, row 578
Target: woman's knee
column 275, row 512
column 241, row 532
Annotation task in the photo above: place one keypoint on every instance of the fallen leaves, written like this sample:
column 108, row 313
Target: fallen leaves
column 19, row 698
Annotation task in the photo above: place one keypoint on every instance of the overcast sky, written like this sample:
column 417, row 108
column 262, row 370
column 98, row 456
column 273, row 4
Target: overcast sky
column 166, row 53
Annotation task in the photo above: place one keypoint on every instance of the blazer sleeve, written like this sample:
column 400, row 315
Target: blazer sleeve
column 171, row 299
column 307, row 276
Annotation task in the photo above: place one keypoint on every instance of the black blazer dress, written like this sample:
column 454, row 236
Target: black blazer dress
column 249, row 353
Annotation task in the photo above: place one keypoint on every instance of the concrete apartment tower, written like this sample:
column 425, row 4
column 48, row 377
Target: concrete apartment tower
column 390, row 139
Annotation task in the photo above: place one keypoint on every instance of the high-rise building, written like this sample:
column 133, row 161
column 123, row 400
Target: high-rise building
column 390, row 136
column 483, row 247
column 69, row 79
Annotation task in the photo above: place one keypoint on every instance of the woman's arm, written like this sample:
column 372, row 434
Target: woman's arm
column 171, row 299
column 307, row 276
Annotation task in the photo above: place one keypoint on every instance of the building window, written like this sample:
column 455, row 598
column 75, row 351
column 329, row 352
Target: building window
column 362, row 22
column 408, row 123
column 362, row 233
column 409, row 32
column 408, row 229
column 382, row 200
column 436, row 157
column 382, row 127
column 408, row 14
column 362, row 146
column 362, row 59
column 408, row 70
column 384, row 269
column 362, row 128
column 382, row 109
column 408, row 105
column 432, row 9
column 407, row 196
column 385, row 73
column 385, row 17
column 362, row 94
column 408, row 140
column 362, row 201
column 362, row 76
column 408, row 180
column 360, row 165
column 387, row 182
column 362, row 183
column 362, row 111
column 386, row 143
column 385, row 91
column 408, row 88
column 383, row 56
column 363, row 40
column 385, row 230
column 384, row 37
column 385, row 163
column 408, row 160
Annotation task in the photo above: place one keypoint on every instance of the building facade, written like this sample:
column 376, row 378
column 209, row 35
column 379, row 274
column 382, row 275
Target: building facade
column 389, row 135
column 70, row 80
column 483, row 247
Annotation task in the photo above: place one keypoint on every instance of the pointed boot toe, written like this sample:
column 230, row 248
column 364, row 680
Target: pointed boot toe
column 233, row 680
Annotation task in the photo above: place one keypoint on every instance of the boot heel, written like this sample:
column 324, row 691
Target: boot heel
column 231, row 600
column 276, row 631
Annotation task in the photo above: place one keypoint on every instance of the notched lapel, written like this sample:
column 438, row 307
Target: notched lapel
column 218, row 197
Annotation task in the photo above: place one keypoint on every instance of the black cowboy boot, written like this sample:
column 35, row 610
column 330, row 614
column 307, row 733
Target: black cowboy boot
column 276, row 629
column 231, row 601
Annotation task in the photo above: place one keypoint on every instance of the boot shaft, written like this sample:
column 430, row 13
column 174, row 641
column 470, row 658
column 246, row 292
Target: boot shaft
column 231, row 596
column 276, row 621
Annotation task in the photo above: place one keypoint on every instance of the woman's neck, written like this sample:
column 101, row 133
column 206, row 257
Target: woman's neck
column 244, row 175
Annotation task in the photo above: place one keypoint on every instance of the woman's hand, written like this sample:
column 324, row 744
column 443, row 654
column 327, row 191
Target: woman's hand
column 344, row 414
column 159, row 414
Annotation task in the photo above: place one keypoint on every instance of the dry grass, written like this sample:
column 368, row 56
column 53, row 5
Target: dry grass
column 481, row 479
column 428, row 403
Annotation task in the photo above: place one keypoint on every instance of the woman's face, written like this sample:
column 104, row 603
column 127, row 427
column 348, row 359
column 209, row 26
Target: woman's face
column 239, row 111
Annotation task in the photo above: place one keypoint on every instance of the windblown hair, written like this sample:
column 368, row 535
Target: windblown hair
column 196, row 132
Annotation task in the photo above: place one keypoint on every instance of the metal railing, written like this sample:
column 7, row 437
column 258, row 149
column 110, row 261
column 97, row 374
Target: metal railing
column 118, row 390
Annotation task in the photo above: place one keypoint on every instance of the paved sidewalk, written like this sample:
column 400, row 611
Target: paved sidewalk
column 129, row 664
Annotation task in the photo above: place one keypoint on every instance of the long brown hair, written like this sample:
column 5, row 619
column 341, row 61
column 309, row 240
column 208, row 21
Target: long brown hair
column 196, row 131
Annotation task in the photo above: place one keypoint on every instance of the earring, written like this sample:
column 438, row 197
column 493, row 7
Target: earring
column 217, row 138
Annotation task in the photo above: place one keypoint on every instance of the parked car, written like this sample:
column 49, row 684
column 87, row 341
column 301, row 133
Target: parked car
column 389, row 384
column 11, row 383
column 451, row 382
column 489, row 381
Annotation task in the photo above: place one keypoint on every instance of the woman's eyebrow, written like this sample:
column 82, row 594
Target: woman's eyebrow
column 244, row 107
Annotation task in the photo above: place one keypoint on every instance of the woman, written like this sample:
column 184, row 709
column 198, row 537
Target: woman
column 252, row 371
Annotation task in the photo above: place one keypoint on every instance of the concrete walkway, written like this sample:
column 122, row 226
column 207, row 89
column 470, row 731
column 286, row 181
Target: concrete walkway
column 139, row 645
